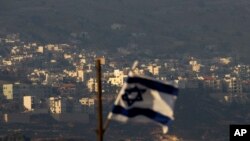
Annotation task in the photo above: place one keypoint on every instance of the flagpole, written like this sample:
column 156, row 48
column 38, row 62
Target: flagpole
column 110, row 113
column 99, row 97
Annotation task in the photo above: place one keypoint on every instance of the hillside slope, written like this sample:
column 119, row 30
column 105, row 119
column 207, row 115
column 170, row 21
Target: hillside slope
column 197, row 26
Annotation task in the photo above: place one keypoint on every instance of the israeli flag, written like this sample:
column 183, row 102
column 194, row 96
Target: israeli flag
column 145, row 99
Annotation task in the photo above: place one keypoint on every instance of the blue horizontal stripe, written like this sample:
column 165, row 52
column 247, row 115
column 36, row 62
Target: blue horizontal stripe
column 152, row 84
column 133, row 112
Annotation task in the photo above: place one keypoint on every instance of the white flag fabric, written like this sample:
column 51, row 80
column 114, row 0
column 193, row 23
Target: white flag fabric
column 142, row 98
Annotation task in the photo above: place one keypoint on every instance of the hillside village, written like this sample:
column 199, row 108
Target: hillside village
column 58, row 81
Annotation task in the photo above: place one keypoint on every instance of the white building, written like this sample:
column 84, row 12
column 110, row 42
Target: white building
column 82, row 60
column 80, row 75
column 92, row 85
column 154, row 69
column 57, row 105
column 28, row 103
column 87, row 101
column 235, row 86
column 40, row 49
column 88, row 105
column 117, row 79
column 195, row 65
column 225, row 61
column 7, row 62
column 8, row 91
column 67, row 56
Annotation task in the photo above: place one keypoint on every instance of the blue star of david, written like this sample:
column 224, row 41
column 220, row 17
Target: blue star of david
column 129, row 92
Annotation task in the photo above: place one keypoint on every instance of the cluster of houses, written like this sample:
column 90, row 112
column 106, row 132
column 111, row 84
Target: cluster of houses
column 60, row 78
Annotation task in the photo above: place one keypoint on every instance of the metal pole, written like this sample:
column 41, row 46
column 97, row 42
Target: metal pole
column 99, row 84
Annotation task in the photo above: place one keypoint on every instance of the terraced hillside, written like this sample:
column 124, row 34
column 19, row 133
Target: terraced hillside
column 194, row 26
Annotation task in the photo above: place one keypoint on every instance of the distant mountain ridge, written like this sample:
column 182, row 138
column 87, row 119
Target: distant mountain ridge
column 194, row 26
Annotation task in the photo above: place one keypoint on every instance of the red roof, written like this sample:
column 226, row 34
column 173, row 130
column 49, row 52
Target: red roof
column 208, row 78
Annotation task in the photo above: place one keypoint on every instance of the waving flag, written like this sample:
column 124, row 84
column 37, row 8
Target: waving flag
column 143, row 98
